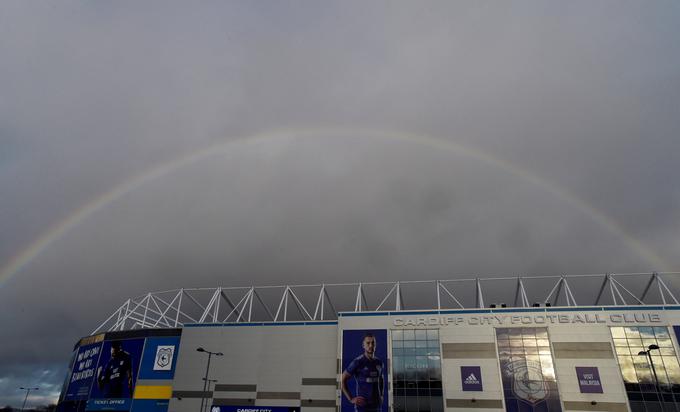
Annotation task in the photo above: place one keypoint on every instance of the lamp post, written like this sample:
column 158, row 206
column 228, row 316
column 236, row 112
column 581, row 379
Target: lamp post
column 207, row 369
column 28, row 390
column 648, row 353
column 209, row 382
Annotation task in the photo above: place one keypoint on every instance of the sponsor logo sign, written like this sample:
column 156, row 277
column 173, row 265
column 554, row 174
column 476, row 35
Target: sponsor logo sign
column 471, row 377
column 588, row 379
column 164, row 355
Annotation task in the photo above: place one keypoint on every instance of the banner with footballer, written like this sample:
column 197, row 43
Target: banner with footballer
column 116, row 375
column 364, row 371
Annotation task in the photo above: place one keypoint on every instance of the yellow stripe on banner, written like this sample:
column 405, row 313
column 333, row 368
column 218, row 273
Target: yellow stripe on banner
column 153, row 392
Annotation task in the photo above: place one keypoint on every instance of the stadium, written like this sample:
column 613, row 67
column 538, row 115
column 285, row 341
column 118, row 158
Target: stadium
column 603, row 342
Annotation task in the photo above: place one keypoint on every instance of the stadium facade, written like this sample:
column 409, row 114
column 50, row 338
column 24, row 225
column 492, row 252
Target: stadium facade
column 393, row 346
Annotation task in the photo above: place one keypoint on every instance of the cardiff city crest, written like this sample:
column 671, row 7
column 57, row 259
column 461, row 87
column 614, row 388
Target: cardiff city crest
column 164, row 358
column 528, row 383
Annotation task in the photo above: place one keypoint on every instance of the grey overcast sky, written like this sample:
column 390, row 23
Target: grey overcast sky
column 396, row 140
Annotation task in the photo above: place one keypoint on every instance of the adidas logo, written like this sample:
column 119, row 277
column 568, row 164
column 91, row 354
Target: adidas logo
column 472, row 380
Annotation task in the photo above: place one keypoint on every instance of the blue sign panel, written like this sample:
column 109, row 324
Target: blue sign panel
column 218, row 408
column 109, row 404
column 83, row 372
column 150, row 405
column 160, row 358
column 363, row 382
column 471, row 377
column 116, row 375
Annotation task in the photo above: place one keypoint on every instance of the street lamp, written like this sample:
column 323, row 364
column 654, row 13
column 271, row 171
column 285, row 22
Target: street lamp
column 28, row 390
column 207, row 369
column 648, row 353
column 209, row 382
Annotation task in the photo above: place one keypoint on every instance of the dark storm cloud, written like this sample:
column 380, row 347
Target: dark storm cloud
column 583, row 96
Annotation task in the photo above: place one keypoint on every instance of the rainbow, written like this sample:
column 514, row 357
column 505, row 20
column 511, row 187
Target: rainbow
column 60, row 228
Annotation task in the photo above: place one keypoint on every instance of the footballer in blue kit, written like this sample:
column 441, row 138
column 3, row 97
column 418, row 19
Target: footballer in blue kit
column 116, row 376
column 367, row 371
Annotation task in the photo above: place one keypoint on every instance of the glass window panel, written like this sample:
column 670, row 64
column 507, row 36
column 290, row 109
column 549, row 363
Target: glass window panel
column 621, row 342
column 421, row 373
column 647, row 342
column 542, row 342
column 618, row 333
column 661, row 332
column 635, row 342
column 396, row 352
column 421, row 351
column 531, row 351
column 627, row 369
column 664, row 342
column 667, row 351
column 542, row 333
column 632, row 332
column 397, row 335
column 528, row 332
column 672, row 370
column 433, row 334
column 643, row 372
column 515, row 343
column 397, row 344
column 646, row 332
column 514, row 333
column 433, row 351
column 529, row 342
column 503, row 342
column 623, row 351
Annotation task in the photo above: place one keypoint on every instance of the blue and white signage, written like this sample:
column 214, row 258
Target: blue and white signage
column 164, row 355
column 218, row 408
column 471, row 377
column 160, row 358
column 82, row 374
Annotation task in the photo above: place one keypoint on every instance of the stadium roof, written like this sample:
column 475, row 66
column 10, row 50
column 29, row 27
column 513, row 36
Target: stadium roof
column 322, row 302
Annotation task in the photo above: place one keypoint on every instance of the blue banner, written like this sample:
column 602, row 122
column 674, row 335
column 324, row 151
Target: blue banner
column 150, row 405
column 364, row 376
column 116, row 374
column 219, row 408
column 160, row 358
column 83, row 372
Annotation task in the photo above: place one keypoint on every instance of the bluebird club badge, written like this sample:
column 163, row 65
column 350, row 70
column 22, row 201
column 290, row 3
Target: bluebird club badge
column 164, row 354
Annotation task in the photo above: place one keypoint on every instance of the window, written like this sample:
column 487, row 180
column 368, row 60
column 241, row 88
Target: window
column 646, row 391
column 527, row 370
column 416, row 371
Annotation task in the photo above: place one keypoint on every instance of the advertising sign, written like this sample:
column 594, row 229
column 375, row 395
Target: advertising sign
column 116, row 375
column 588, row 379
column 471, row 376
column 83, row 372
column 363, row 382
column 216, row 408
column 160, row 357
